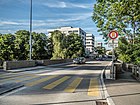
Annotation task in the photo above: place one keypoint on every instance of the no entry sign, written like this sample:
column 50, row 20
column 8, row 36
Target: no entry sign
column 113, row 34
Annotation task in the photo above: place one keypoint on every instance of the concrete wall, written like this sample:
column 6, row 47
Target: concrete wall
column 7, row 65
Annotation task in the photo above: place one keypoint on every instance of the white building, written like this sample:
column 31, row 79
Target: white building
column 67, row 30
column 90, row 39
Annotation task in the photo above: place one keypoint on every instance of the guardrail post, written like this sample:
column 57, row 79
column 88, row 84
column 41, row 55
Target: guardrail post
column 114, row 73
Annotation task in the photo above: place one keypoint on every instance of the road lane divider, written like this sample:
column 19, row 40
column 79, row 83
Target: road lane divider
column 57, row 82
column 93, row 88
column 40, row 81
column 71, row 88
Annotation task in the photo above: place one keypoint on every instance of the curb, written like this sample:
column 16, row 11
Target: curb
column 11, row 89
column 106, row 95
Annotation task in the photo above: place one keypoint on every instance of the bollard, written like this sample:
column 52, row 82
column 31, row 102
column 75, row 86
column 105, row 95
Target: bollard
column 114, row 72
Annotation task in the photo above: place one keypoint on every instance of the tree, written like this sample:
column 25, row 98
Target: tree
column 58, row 45
column 101, row 50
column 128, row 52
column 66, row 46
column 74, row 46
column 120, row 15
column 7, row 46
column 21, row 45
column 39, row 46
column 49, row 47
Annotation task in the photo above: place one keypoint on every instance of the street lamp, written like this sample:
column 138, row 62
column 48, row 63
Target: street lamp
column 30, row 42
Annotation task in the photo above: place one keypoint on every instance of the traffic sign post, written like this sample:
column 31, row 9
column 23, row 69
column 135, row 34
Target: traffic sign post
column 113, row 35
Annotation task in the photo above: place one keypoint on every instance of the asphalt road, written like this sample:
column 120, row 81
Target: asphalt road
column 68, row 84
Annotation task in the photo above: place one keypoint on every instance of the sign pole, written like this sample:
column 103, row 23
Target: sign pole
column 113, row 35
column 113, row 55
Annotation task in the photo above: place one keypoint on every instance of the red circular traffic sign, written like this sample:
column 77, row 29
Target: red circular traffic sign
column 113, row 34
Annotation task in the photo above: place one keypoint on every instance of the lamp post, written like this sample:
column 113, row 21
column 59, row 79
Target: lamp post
column 30, row 42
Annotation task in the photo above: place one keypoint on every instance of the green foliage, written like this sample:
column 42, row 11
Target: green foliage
column 75, row 47
column 137, row 61
column 58, row 46
column 129, row 52
column 16, row 47
column 39, row 46
column 117, row 15
column 100, row 50
column 124, row 58
column 110, row 53
column 21, row 45
column 7, row 46
column 123, row 16
column 69, row 46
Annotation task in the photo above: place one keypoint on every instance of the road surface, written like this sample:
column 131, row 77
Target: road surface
column 68, row 84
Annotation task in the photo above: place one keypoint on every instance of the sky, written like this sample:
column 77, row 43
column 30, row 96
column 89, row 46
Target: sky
column 47, row 14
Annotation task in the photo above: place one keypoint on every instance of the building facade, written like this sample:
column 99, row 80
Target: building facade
column 68, row 30
column 90, row 39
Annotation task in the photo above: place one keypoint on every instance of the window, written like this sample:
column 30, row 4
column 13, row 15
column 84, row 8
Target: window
column 87, row 42
column 75, row 30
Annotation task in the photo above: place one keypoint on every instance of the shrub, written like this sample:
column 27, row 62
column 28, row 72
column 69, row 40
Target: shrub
column 125, row 58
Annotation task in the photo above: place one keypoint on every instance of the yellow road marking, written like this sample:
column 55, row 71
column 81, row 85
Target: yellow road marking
column 55, row 83
column 39, row 81
column 71, row 88
column 93, row 88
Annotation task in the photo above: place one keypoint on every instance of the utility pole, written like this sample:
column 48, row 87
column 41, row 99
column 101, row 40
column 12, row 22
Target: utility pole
column 30, row 42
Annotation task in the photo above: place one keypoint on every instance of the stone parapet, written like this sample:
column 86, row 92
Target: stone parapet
column 7, row 65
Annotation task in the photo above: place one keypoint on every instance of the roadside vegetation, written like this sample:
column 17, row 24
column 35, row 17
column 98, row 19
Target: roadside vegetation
column 57, row 46
column 124, row 17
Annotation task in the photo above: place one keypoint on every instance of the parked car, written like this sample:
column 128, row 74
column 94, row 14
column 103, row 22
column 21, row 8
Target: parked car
column 79, row 60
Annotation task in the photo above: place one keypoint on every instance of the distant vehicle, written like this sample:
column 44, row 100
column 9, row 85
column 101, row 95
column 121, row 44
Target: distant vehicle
column 100, row 59
column 79, row 60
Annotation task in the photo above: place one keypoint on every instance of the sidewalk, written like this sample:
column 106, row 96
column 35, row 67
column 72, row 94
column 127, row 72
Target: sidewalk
column 123, row 91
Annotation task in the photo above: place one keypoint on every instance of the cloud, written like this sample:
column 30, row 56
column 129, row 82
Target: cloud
column 79, row 5
column 42, row 25
column 58, row 4
column 13, row 23
column 8, row 23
